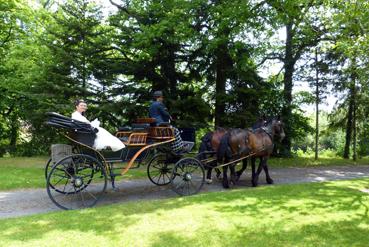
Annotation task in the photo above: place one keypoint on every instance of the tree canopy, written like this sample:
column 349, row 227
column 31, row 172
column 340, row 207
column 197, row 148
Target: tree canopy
column 214, row 60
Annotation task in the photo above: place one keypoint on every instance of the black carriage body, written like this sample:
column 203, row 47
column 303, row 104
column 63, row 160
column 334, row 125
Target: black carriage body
column 79, row 131
column 84, row 170
column 188, row 134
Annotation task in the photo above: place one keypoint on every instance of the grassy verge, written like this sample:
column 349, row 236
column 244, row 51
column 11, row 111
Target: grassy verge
column 310, row 162
column 316, row 214
column 26, row 172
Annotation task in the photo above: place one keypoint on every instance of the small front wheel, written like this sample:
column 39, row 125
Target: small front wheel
column 188, row 176
column 159, row 169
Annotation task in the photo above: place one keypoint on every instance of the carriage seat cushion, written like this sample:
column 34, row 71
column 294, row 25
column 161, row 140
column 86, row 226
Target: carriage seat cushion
column 124, row 138
column 141, row 126
column 124, row 128
column 164, row 124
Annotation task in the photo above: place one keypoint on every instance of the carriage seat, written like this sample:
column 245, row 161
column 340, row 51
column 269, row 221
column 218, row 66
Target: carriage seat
column 124, row 128
column 164, row 124
column 139, row 127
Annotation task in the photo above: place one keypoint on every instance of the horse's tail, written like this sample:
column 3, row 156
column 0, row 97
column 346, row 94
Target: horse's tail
column 224, row 149
column 205, row 145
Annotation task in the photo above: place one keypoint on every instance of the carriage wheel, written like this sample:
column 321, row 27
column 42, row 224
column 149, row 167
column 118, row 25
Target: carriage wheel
column 76, row 181
column 47, row 168
column 188, row 176
column 159, row 169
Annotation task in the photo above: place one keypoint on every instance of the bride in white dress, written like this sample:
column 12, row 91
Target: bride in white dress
column 103, row 138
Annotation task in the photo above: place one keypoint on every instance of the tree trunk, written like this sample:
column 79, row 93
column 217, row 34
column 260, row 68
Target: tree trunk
column 289, row 67
column 169, row 70
column 222, row 65
column 346, row 152
column 316, row 105
column 14, row 127
column 353, row 78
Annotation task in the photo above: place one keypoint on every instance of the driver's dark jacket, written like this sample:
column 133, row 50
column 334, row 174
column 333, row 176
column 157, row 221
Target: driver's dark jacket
column 158, row 111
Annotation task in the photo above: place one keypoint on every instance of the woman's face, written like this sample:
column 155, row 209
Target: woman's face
column 81, row 107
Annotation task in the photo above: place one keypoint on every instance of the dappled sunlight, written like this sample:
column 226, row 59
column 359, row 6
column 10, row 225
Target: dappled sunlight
column 4, row 195
column 280, row 215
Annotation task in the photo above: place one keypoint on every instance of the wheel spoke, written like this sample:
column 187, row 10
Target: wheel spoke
column 166, row 174
column 66, row 182
column 90, row 194
column 58, row 182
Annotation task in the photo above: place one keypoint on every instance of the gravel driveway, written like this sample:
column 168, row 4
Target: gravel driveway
column 33, row 201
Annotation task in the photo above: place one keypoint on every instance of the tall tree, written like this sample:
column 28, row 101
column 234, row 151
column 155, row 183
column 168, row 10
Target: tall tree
column 303, row 29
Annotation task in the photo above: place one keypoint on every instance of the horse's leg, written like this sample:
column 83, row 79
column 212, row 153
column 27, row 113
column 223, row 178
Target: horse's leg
column 232, row 168
column 219, row 173
column 266, row 170
column 253, row 174
column 225, row 178
column 208, row 175
column 244, row 166
column 256, row 176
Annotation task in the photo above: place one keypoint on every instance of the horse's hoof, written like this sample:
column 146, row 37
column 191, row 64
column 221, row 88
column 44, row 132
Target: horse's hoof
column 234, row 180
column 225, row 185
column 209, row 181
column 270, row 181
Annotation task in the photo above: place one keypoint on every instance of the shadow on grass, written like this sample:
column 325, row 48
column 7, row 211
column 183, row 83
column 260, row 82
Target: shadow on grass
column 341, row 211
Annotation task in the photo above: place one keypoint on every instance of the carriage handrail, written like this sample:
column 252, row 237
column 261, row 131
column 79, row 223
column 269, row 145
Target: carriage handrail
column 132, row 160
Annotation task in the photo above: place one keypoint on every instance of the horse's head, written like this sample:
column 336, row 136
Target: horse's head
column 277, row 128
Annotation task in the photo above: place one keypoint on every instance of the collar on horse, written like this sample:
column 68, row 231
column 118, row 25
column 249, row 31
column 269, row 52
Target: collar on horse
column 268, row 131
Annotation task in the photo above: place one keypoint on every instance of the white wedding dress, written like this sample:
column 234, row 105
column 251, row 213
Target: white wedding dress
column 103, row 138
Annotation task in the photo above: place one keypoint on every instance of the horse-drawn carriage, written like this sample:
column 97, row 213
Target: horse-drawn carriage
column 77, row 174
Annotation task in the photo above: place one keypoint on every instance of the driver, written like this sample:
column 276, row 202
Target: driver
column 158, row 111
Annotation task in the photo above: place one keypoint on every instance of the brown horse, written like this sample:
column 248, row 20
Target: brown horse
column 210, row 144
column 239, row 143
column 261, row 146
column 208, row 147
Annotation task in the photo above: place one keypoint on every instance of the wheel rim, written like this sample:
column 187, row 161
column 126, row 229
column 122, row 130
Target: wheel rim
column 72, row 184
column 159, row 170
column 188, row 177
column 47, row 168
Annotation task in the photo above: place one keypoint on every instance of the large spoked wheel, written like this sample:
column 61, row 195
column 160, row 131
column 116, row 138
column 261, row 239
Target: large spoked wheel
column 47, row 168
column 159, row 169
column 76, row 181
column 188, row 176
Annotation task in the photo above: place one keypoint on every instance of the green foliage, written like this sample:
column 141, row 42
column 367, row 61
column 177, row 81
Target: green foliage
column 207, row 57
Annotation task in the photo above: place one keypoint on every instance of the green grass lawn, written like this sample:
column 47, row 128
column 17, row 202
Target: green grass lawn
column 28, row 172
column 314, row 214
